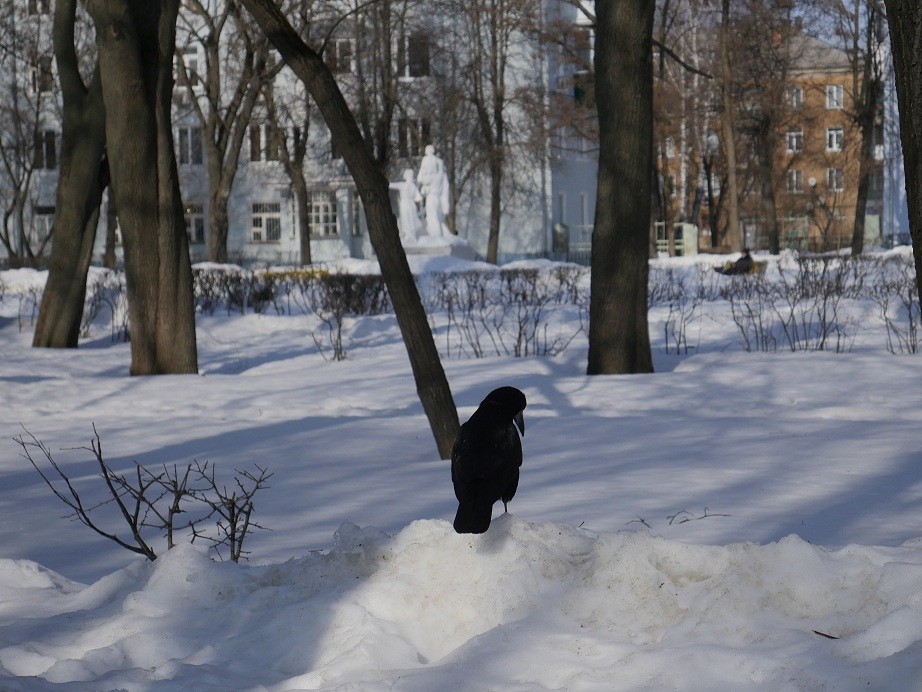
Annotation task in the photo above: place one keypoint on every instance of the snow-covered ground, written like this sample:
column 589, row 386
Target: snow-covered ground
column 699, row 528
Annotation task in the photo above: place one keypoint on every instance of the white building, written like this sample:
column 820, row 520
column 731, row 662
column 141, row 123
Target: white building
column 549, row 180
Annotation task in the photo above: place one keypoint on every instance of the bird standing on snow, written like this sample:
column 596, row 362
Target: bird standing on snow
column 486, row 457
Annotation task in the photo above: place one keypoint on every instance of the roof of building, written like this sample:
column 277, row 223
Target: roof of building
column 811, row 54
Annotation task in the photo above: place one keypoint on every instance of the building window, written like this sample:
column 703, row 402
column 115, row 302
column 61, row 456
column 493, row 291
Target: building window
column 42, row 222
column 795, row 181
column 562, row 207
column 835, row 179
column 266, row 222
column 795, row 97
column 264, row 143
column 876, row 184
column 42, row 78
column 835, row 94
column 834, row 138
column 190, row 61
column 39, row 7
column 195, row 223
column 418, row 55
column 189, row 143
column 46, row 150
column 582, row 42
column 338, row 55
column 584, row 87
column 358, row 213
column 795, row 141
column 413, row 134
column 323, row 217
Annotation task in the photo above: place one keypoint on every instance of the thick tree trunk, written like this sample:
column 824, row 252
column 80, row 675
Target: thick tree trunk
column 80, row 185
column 218, row 224
column 496, row 187
column 865, row 169
column 302, row 200
column 619, row 337
column 734, row 235
column 766, row 147
column 431, row 383
column 135, row 40
column 905, row 19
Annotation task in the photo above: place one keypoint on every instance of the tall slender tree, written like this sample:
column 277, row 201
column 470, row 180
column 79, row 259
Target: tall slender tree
column 308, row 65
column 619, row 337
column 905, row 20
column 81, row 181
column 136, row 40
column 728, row 134
column 223, row 93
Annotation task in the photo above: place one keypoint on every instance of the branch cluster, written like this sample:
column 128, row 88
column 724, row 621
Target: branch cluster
column 171, row 502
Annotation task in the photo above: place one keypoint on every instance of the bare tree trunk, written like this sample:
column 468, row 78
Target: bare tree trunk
column 764, row 141
column 496, row 211
column 299, row 186
column 728, row 135
column 619, row 337
column 905, row 18
column 136, row 40
column 80, row 185
column 867, row 87
column 307, row 64
column 218, row 222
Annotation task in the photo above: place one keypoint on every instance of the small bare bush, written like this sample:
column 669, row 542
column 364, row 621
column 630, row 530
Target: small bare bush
column 897, row 298
column 171, row 502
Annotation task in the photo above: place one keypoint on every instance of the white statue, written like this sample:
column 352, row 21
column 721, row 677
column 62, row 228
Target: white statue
column 407, row 212
column 433, row 181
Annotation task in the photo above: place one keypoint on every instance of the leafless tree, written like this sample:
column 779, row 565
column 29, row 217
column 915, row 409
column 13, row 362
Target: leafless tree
column 308, row 65
column 28, row 144
column 136, row 41
column 905, row 21
column 224, row 66
column 619, row 338
column 83, row 177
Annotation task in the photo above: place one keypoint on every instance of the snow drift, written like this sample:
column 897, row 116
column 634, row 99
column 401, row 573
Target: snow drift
column 526, row 604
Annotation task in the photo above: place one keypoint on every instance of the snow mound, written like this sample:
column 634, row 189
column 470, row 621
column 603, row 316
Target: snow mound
column 527, row 605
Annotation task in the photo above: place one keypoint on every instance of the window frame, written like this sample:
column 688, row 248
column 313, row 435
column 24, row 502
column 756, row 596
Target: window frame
column 261, row 212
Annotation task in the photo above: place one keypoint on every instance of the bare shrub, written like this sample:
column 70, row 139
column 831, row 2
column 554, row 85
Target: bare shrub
column 682, row 296
column 29, row 300
column 510, row 312
column 106, row 290
column 897, row 298
column 170, row 502
column 802, row 310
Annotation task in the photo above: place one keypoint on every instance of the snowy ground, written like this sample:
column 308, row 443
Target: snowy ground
column 691, row 529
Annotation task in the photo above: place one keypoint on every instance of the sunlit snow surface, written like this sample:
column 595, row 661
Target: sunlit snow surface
column 692, row 529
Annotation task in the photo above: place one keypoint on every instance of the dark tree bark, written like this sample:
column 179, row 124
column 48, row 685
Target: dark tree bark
column 81, row 181
column 619, row 337
column 728, row 135
column 135, row 40
column 867, row 87
column 308, row 65
column 765, row 150
column 905, row 19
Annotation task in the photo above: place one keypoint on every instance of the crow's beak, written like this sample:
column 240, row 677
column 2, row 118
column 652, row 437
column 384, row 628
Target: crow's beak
column 520, row 422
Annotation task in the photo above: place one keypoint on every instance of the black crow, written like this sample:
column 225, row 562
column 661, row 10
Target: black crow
column 486, row 457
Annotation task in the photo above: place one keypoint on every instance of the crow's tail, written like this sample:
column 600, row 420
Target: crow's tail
column 474, row 514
